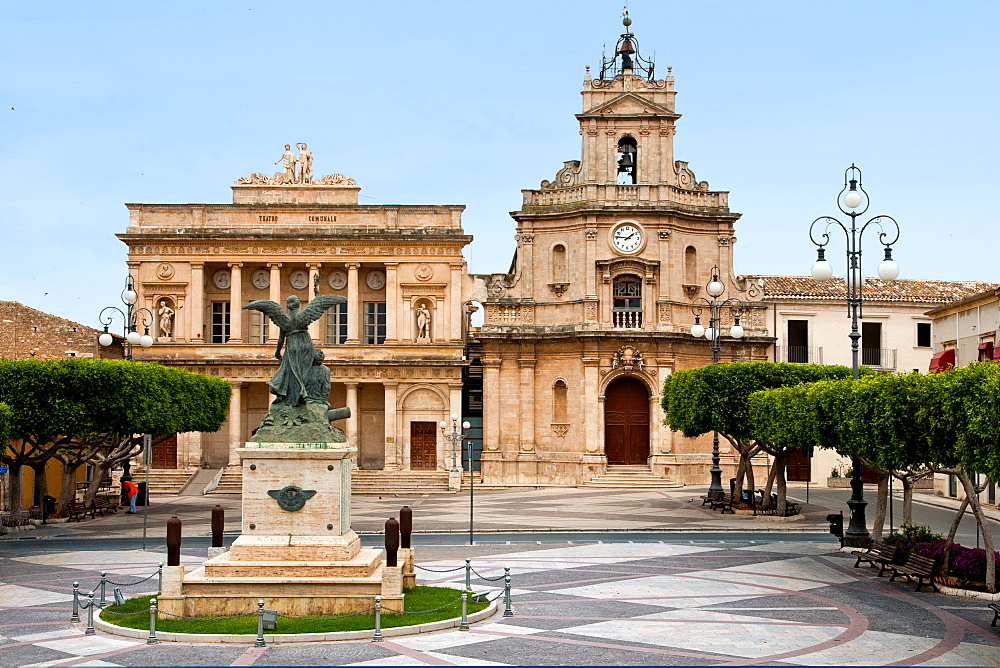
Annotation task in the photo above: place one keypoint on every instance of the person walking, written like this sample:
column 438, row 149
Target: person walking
column 130, row 489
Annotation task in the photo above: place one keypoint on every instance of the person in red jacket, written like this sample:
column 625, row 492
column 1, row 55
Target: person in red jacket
column 131, row 490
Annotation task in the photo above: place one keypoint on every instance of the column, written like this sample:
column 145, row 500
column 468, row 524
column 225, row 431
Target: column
column 392, row 301
column 355, row 310
column 439, row 326
column 455, row 321
column 592, row 425
column 352, row 422
column 180, row 319
column 196, row 301
column 274, row 294
column 391, row 439
column 527, row 395
column 235, row 423
column 491, row 404
column 236, row 303
column 455, row 401
column 314, row 327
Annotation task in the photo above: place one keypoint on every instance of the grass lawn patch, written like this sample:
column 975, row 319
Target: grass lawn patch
column 417, row 601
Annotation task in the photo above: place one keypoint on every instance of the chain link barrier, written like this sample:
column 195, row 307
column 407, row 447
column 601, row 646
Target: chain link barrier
column 131, row 584
column 327, row 619
column 419, row 612
column 207, row 619
column 433, row 570
column 488, row 579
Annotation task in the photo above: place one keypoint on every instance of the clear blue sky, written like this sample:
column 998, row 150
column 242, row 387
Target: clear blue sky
column 103, row 103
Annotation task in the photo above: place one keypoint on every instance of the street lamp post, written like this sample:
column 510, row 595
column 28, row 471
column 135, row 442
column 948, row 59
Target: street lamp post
column 715, row 288
column 132, row 318
column 455, row 438
column 853, row 201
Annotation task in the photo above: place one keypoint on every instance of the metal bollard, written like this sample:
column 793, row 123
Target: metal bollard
column 174, row 541
column 159, row 583
column 378, row 620
column 464, row 625
column 260, row 625
column 151, row 640
column 104, row 580
column 507, row 612
column 468, row 574
column 75, row 617
column 90, row 615
column 218, row 525
column 391, row 541
column 405, row 526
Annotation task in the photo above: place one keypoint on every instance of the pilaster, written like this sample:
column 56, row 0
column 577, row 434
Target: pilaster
column 236, row 305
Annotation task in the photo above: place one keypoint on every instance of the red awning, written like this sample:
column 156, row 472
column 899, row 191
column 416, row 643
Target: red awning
column 985, row 351
column 942, row 361
column 996, row 353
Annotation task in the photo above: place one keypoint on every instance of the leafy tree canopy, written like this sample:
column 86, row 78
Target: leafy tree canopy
column 88, row 396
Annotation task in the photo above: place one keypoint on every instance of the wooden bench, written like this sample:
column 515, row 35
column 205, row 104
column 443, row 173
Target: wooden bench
column 996, row 613
column 105, row 504
column 879, row 554
column 724, row 502
column 77, row 511
column 916, row 566
column 711, row 497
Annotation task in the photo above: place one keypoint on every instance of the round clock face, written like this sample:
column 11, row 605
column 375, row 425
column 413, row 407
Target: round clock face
column 627, row 238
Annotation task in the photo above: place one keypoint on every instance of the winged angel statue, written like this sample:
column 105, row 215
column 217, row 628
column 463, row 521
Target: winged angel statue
column 293, row 380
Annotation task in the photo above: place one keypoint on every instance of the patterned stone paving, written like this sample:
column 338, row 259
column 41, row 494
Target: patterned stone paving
column 667, row 603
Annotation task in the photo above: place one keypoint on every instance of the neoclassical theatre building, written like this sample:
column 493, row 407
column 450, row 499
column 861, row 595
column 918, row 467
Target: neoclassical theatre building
column 560, row 381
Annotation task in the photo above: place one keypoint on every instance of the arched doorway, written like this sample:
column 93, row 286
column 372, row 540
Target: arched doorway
column 626, row 422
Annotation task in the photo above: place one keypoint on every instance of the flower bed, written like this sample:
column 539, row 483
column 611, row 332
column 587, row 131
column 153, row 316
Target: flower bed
column 967, row 567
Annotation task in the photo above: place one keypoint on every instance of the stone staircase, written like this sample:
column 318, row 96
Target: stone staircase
column 630, row 477
column 163, row 481
column 400, row 482
column 231, row 481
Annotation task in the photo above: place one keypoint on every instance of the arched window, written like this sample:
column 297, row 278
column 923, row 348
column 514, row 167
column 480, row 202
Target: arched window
column 559, row 414
column 559, row 264
column 626, row 310
column 628, row 161
column 690, row 265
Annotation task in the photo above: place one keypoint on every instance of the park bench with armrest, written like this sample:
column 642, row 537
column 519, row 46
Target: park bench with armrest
column 919, row 567
column 77, row 511
column 879, row 554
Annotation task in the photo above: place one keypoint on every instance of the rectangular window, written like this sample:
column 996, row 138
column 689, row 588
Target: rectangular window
column 336, row 324
column 797, row 341
column 923, row 335
column 258, row 327
column 374, row 323
column 220, row 322
column 871, row 344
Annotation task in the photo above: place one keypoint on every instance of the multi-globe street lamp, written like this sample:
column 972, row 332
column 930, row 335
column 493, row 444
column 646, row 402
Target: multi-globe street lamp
column 454, row 437
column 132, row 318
column 715, row 288
column 853, row 201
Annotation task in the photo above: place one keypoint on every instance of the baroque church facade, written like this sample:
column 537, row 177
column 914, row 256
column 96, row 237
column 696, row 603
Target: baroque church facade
column 562, row 380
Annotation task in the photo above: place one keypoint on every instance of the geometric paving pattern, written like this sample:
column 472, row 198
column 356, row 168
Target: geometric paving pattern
column 683, row 603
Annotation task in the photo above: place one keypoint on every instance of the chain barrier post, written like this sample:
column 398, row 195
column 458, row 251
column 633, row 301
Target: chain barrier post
column 174, row 541
column 378, row 620
column 391, row 541
column 159, row 584
column 218, row 525
column 75, row 617
column 90, row 615
column 464, row 625
column 260, row 625
column 507, row 612
column 104, row 580
column 151, row 640
column 468, row 574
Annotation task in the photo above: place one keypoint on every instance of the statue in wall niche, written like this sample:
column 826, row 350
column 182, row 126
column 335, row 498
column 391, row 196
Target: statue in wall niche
column 288, row 161
column 423, row 323
column 166, row 318
column 305, row 163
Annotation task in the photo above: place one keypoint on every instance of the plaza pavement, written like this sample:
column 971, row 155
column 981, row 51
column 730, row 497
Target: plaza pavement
column 625, row 598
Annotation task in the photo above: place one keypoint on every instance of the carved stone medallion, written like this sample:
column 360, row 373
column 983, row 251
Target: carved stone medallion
column 165, row 271
column 222, row 279
column 424, row 272
column 375, row 280
column 291, row 497
column 337, row 280
column 261, row 279
column 299, row 279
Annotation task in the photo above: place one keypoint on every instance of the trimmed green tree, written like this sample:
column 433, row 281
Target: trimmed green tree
column 99, row 408
column 715, row 397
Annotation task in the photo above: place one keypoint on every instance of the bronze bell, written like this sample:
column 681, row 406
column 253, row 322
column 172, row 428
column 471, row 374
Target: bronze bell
column 626, row 162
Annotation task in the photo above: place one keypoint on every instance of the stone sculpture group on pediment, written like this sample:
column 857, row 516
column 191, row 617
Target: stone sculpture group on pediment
column 297, row 170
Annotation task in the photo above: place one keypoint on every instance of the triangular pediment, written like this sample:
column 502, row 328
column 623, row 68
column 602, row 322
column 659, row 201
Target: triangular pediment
column 629, row 104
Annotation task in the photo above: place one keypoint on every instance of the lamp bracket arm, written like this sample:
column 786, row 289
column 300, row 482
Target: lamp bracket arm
column 822, row 238
column 883, row 222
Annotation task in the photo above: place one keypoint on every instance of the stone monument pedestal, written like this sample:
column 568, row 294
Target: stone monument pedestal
column 297, row 552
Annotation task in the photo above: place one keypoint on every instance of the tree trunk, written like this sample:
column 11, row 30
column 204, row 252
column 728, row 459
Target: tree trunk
column 881, row 503
column 907, row 499
column 16, row 478
column 779, row 476
column 972, row 495
column 951, row 533
column 41, row 484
